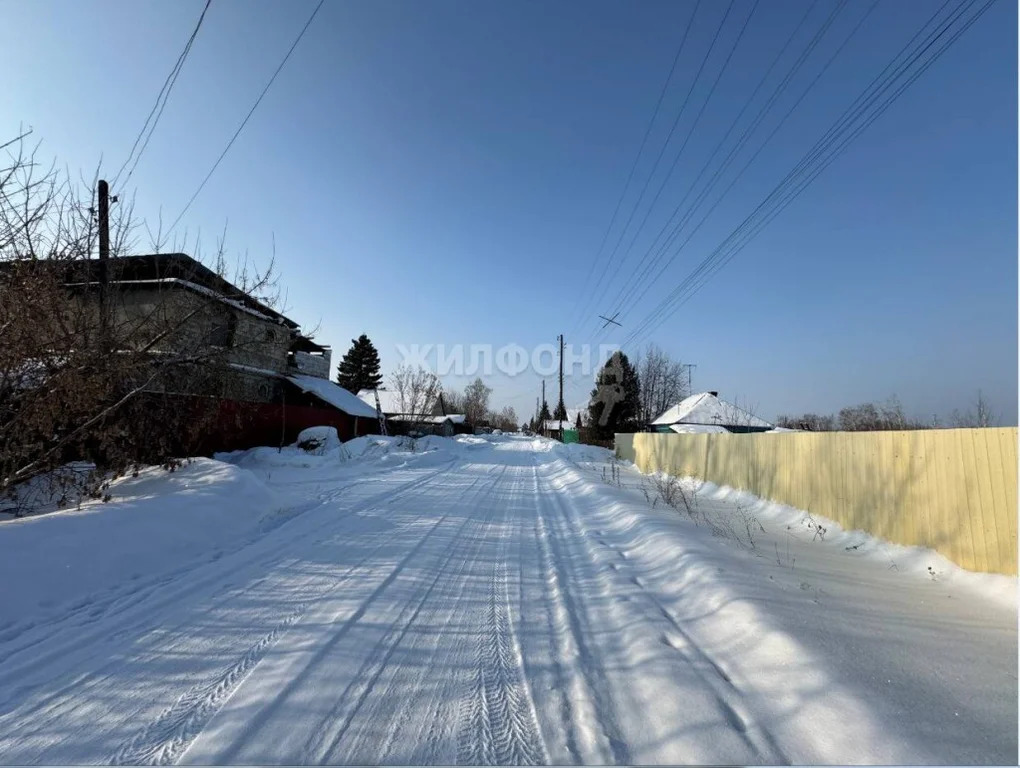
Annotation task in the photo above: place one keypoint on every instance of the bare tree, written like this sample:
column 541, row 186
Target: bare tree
column 417, row 391
column 980, row 415
column 506, row 419
column 663, row 383
column 476, row 401
column 75, row 384
column 870, row 417
column 811, row 422
column 866, row 417
column 453, row 400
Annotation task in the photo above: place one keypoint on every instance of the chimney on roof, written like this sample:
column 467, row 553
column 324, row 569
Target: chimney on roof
column 713, row 394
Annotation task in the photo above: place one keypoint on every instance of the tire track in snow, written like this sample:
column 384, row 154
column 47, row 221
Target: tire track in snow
column 165, row 739
column 499, row 724
column 433, row 737
column 592, row 734
column 338, row 723
column 757, row 738
column 121, row 619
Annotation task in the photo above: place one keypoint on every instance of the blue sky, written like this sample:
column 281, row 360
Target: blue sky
column 444, row 172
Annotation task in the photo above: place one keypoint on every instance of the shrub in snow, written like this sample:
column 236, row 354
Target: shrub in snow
column 61, row 488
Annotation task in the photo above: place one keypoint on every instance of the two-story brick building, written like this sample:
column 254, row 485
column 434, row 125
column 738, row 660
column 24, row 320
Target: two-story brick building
column 271, row 380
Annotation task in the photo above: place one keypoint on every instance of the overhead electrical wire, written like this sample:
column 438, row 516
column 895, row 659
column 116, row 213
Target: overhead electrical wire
column 645, row 267
column 702, row 196
column 152, row 120
column 687, row 138
column 847, row 113
column 641, row 148
column 868, row 107
column 782, row 191
column 247, row 117
column 662, row 149
column 705, row 192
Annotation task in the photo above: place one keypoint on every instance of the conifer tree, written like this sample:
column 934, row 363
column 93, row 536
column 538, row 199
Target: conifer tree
column 561, row 411
column 544, row 415
column 616, row 399
column 359, row 368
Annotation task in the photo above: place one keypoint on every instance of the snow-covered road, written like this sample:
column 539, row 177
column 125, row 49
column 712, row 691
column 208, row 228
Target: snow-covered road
column 501, row 603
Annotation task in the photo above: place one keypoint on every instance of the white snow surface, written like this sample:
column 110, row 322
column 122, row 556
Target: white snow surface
column 554, row 425
column 324, row 439
column 698, row 429
column 479, row 600
column 333, row 394
column 706, row 408
column 389, row 399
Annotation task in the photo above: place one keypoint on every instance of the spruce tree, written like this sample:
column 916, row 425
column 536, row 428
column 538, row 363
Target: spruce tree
column 359, row 368
column 617, row 396
column 544, row 415
column 561, row 411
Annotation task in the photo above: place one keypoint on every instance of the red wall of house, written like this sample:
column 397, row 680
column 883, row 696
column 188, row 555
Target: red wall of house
column 246, row 425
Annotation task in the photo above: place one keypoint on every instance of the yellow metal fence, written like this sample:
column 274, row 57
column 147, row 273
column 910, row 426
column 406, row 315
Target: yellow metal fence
column 954, row 490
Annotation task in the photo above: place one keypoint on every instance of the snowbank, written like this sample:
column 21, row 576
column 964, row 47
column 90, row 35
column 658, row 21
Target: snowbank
column 843, row 647
column 157, row 523
column 318, row 439
column 581, row 452
column 828, row 534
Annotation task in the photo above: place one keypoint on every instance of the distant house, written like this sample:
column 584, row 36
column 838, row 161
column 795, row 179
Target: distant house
column 448, row 425
column 272, row 381
column 706, row 413
column 554, row 428
column 431, row 420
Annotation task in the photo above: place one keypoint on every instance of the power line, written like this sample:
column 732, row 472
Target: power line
column 645, row 266
column 703, row 195
column 637, row 158
column 662, row 150
column 247, row 117
column 832, row 144
column 160, row 104
column 741, row 143
column 690, row 131
column 734, row 151
column 750, row 227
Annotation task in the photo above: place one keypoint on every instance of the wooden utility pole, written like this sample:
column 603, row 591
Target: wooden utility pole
column 104, row 252
column 561, row 376
column 688, row 366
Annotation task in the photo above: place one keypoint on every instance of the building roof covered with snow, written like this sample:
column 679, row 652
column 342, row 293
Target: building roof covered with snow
column 334, row 394
column 698, row 429
column 555, row 425
column 389, row 400
column 706, row 409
